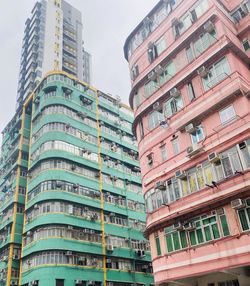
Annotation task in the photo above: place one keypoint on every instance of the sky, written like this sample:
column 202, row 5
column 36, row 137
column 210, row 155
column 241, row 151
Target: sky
column 106, row 23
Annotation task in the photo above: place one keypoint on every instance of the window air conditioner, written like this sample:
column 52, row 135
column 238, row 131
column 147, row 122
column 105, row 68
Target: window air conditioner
column 220, row 211
column 190, row 128
column 175, row 22
column 193, row 150
column 110, row 247
column 68, row 253
column 178, row 226
column 140, row 252
column 213, row 157
column 189, row 226
column 237, row 204
column 79, row 282
column 174, row 92
column 152, row 75
column 202, row 71
column 157, row 106
column 180, row 174
column 159, row 70
column 161, row 185
column 209, row 26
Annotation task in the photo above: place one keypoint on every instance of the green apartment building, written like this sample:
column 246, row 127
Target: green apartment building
column 72, row 211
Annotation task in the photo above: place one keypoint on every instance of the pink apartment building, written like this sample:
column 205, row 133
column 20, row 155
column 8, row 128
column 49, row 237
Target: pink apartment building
column 189, row 63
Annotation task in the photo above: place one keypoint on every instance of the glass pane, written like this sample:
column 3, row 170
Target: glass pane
column 183, row 239
column 207, row 233
column 176, row 240
column 215, row 230
column 192, row 238
column 158, row 246
column 199, row 236
column 169, row 243
column 224, row 225
column 243, row 220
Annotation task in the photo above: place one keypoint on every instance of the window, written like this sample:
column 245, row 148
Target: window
column 229, row 283
column 173, row 191
column 204, row 42
column 152, row 52
column 150, row 160
column 241, row 13
column 246, row 44
column 134, row 72
column 172, row 106
column 198, row 135
column 197, row 231
column 227, row 114
column 136, row 100
column 168, row 73
column 141, row 129
column 150, row 87
column 160, row 45
column 176, row 146
column 154, row 119
column 189, row 54
column 59, row 282
column 216, row 73
column 158, row 244
column 191, row 93
column 244, row 216
column 164, row 154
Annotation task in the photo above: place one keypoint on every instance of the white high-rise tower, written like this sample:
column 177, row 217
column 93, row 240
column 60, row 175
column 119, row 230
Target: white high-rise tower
column 52, row 41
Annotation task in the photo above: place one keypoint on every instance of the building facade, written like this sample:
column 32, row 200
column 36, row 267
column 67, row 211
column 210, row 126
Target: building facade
column 189, row 64
column 72, row 210
column 52, row 41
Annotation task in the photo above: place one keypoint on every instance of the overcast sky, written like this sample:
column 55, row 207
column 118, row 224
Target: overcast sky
column 107, row 23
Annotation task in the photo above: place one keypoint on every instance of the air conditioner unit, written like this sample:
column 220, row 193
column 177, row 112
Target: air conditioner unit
column 91, row 283
column 78, row 282
column 242, row 145
column 175, row 22
column 71, row 210
column 161, row 185
column 174, row 92
column 86, row 230
column 144, row 267
column 108, row 260
column 152, row 75
column 209, row 26
column 140, row 253
column 37, row 100
column 193, row 150
column 213, row 157
column 157, row 106
column 178, row 225
column 189, row 226
column 112, row 214
column 68, row 253
column 13, row 283
column 34, row 283
column 220, row 211
column 202, row 71
column 180, row 175
column 190, row 128
column 110, row 247
column 70, row 227
column 73, row 167
column 16, row 257
column 36, row 206
column 110, row 283
column 5, row 258
column 237, row 204
column 159, row 70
